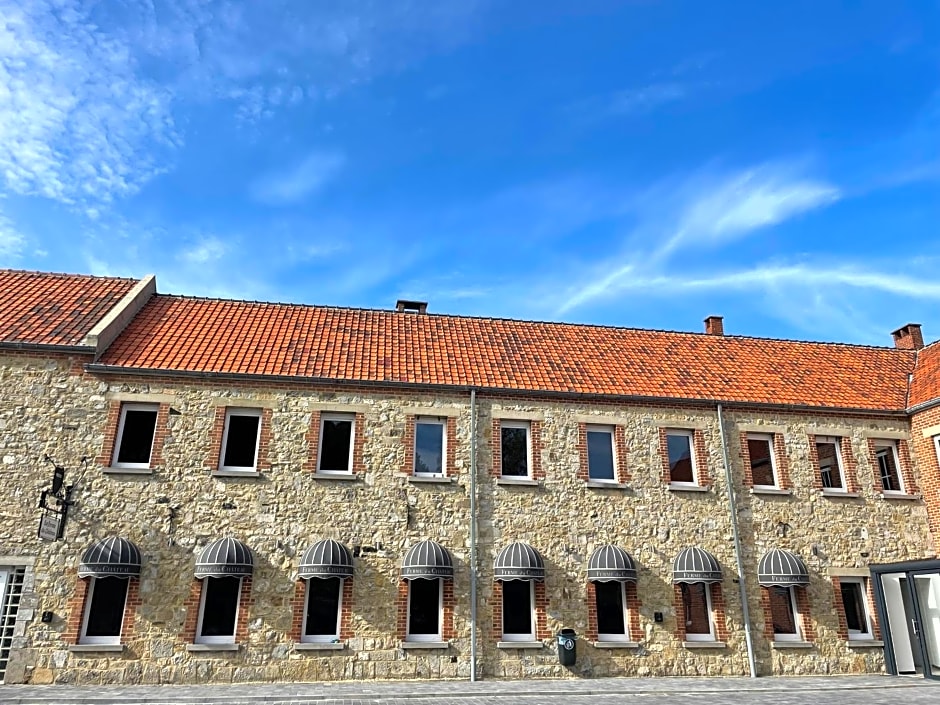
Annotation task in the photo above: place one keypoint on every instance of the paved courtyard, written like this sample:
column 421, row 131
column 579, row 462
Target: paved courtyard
column 834, row 690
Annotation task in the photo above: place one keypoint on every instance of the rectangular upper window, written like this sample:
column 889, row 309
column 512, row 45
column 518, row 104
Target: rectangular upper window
column 425, row 607
column 886, row 457
column 611, row 603
column 430, row 442
column 324, row 600
column 135, row 436
column 240, row 440
column 697, row 608
column 518, row 610
column 600, row 448
column 337, row 432
column 760, row 449
column 784, row 614
column 218, row 610
column 856, row 608
column 681, row 457
column 515, row 448
column 830, row 462
column 104, row 611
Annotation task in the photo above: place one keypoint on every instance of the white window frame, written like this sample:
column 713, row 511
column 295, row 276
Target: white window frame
column 532, row 617
column 592, row 428
column 351, row 418
column 430, row 421
column 321, row 638
column 626, row 617
column 528, row 446
column 692, row 459
column 240, row 411
column 440, row 617
column 840, row 466
column 768, row 437
column 936, row 443
column 220, row 639
column 125, row 407
column 863, row 586
column 711, row 617
column 797, row 618
column 83, row 639
column 891, row 447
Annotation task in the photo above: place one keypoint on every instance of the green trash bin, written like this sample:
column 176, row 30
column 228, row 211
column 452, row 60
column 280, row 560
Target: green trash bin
column 567, row 647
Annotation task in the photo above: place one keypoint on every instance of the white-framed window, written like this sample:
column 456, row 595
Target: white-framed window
column 760, row 448
column 430, row 446
column 784, row 614
column 218, row 610
column 889, row 467
column 610, row 600
column 240, row 440
column 104, row 611
column 337, row 437
column 425, row 609
column 518, row 610
column 601, row 454
column 697, row 611
column 829, row 452
column 681, row 451
column 855, row 605
column 323, row 608
column 136, row 431
column 515, row 448
column 936, row 445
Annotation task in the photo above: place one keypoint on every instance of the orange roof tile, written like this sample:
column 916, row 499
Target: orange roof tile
column 925, row 383
column 39, row 308
column 205, row 335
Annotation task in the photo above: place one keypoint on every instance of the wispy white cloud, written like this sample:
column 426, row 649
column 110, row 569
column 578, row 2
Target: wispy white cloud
column 12, row 241
column 299, row 181
column 646, row 98
column 207, row 249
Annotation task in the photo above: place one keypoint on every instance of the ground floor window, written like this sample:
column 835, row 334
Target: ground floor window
column 424, row 609
column 697, row 608
column 611, row 604
column 218, row 610
column 323, row 609
column 104, row 611
column 855, row 606
column 784, row 613
column 518, row 610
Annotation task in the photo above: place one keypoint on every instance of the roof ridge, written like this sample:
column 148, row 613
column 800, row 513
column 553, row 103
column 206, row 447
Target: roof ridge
column 5, row 270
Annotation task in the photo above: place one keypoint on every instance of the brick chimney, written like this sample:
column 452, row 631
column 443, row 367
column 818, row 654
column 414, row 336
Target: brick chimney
column 714, row 325
column 403, row 306
column 908, row 337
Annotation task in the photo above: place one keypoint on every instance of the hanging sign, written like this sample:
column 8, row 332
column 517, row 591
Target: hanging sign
column 49, row 526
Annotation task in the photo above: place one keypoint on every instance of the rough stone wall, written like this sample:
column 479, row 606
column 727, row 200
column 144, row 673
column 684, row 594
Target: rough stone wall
column 179, row 508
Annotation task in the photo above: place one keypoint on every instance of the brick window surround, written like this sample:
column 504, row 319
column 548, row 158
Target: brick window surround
column 218, row 430
column 536, row 472
column 245, row 601
column 541, row 611
column 448, row 631
column 849, row 466
column 77, row 604
column 634, row 632
column 313, row 441
column 450, row 444
column 840, row 610
column 111, row 429
column 905, row 467
column 718, row 612
column 700, row 456
column 807, row 628
column 620, row 453
column 781, row 465
column 299, row 601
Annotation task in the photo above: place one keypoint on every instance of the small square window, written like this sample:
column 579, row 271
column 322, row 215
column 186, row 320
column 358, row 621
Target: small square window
column 518, row 610
column 600, row 450
column 611, row 602
column 856, row 608
column 424, row 609
column 761, row 452
column 336, row 443
column 240, row 439
column 514, row 437
column 784, row 614
column 430, row 442
column 135, row 435
column 697, row 611
column 104, row 611
column 323, row 610
column 830, row 462
column 886, row 456
column 681, row 457
column 218, row 610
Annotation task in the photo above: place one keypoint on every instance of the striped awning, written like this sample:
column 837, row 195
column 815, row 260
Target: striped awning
column 326, row 559
column 112, row 557
column 610, row 563
column 225, row 557
column 696, row 565
column 519, row 561
column 783, row 568
column 427, row 559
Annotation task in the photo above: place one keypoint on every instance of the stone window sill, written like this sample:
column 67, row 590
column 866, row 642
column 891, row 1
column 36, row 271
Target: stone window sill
column 430, row 479
column 520, row 481
column 901, row 496
column 127, row 471
column 342, row 476
column 91, row 648
column 681, row 487
column 791, row 645
column 236, row 473
column 606, row 485
column 319, row 646
column 425, row 644
column 212, row 647
column 775, row 491
column 838, row 494
column 520, row 645
column 615, row 644
column 704, row 644
column 865, row 643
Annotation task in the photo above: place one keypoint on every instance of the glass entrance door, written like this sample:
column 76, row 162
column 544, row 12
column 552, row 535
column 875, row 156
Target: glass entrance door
column 927, row 592
column 909, row 607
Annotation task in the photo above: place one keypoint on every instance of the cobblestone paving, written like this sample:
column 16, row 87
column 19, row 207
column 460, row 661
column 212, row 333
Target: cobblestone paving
column 836, row 690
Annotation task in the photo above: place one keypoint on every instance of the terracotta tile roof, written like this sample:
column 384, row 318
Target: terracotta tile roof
column 925, row 384
column 201, row 335
column 39, row 308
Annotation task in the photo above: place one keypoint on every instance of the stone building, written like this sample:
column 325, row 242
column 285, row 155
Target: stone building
column 277, row 492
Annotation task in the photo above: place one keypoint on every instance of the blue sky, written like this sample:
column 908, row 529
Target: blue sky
column 642, row 164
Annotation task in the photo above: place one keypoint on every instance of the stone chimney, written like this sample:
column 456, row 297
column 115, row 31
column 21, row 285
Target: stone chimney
column 403, row 306
column 714, row 325
column 908, row 337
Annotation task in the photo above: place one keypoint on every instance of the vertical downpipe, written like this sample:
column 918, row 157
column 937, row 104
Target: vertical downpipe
column 473, row 535
column 739, row 558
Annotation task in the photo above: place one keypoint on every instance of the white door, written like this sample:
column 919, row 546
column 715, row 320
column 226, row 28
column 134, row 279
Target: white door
column 898, row 621
column 928, row 597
